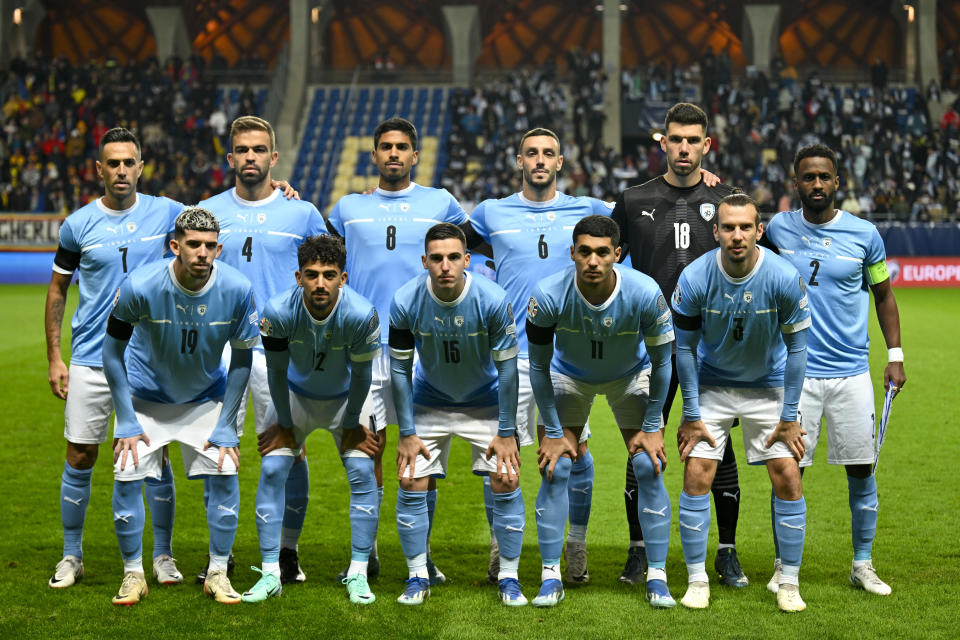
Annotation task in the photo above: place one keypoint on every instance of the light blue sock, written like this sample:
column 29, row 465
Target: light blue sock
column 412, row 522
column 162, row 497
column 128, row 517
column 653, row 506
column 509, row 518
column 773, row 523
column 74, row 498
column 791, row 525
column 580, row 490
column 863, row 512
column 488, row 500
column 364, row 506
column 223, row 508
column 296, row 499
column 551, row 508
column 694, row 520
column 269, row 511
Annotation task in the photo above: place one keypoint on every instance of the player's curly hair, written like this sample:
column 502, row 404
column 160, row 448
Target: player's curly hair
column 195, row 219
column 252, row 123
column 325, row 249
column 119, row 134
column 443, row 231
column 685, row 113
column 598, row 227
column 814, row 151
column 396, row 124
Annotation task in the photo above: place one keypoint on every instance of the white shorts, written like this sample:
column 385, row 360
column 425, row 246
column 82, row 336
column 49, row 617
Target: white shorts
column 627, row 399
column 436, row 427
column 378, row 410
column 88, row 407
column 846, row 406
column 190, row 425
column 759, row 414
column 526, row 405
column 257, row 388
column 309, row 415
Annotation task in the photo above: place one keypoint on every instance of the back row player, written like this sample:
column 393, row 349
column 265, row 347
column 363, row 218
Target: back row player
column 665, row 224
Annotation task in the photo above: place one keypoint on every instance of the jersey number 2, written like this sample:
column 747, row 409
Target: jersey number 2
column 813, row 276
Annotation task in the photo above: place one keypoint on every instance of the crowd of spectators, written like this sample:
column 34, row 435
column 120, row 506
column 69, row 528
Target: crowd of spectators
column 54, row 114
column 895, row 157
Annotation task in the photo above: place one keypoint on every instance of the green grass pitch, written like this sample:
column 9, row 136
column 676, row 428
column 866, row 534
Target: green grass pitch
column 917, row 550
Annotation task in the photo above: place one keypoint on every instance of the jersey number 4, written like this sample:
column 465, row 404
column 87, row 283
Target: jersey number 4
column 247, row 249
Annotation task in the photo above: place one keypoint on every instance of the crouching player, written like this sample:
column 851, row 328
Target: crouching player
column 319, row 339
column 609, row 325
column 741, row 316
column 466, row 385
column 177, row 315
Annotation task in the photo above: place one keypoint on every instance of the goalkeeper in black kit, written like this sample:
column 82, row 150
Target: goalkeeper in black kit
column 665, row 224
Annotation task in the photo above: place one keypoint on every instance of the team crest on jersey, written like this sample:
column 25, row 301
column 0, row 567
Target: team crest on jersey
column 261, row 218
column 551, row 216
column 131, row 227
column 827, row 242
column 404, row 206
column 458, row 320
column 748, row 296
column 707, row 211
column 202, row 309
column 608, row 322
column 532, row 308
column 265, row 327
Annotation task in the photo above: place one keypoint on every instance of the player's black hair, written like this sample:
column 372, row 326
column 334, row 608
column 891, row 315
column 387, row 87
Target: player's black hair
column 685, row 113
column 325, row 249
column 814, row 151
column 739, row 199
column 119, row 134
column 443, row 231
column 195, row 219
column 598, row 227
column 539, row 131
column 252, row 123
column 396, row 124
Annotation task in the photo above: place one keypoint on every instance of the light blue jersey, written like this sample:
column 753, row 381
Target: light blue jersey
column 742, row 318
column 601, row 343
column 260, row 238
column 321, row 350
column 530, row 239
column 384, row 232
column 457, row 341
column 835, row 259
column 105, row 245
column 175, row 351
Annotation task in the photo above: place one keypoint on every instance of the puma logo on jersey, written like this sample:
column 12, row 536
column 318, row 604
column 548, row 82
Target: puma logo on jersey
column 727, row 295
column 647, row 213
column 112, row 229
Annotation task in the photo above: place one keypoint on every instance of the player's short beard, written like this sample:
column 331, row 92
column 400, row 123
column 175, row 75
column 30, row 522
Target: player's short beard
column 250, row 181
column 818, row 207
column 539, row 187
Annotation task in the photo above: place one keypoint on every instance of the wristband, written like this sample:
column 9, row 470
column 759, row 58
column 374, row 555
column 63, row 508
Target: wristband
column 895, row 354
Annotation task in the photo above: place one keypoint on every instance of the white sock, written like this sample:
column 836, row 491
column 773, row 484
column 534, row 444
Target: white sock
column 656, row 574
column 357, row 567
column 218, row 563
column 417, row 566
column 697, row 572
column 271, row 567
column 509, row 568
column 726, row 546
column 549, row 572
column 135, row 565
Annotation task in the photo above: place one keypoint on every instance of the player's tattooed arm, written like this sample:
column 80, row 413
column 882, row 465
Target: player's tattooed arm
column 57, row 375
column 888, row 316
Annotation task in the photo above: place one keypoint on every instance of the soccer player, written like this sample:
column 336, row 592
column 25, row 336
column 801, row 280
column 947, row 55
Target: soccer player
column 529, row 234
column 260, row 232
column 383, row 232
column 613, row 332
column 465, row 385
column 322, row 382
column 170, row 386
column 103, row 241
column 840, row 256
column 741, row 316
column 665, row 224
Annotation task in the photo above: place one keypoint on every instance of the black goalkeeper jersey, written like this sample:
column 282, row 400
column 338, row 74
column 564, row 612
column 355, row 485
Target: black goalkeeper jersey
column 665, row 228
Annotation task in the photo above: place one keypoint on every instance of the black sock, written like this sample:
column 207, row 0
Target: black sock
column 726, row 496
